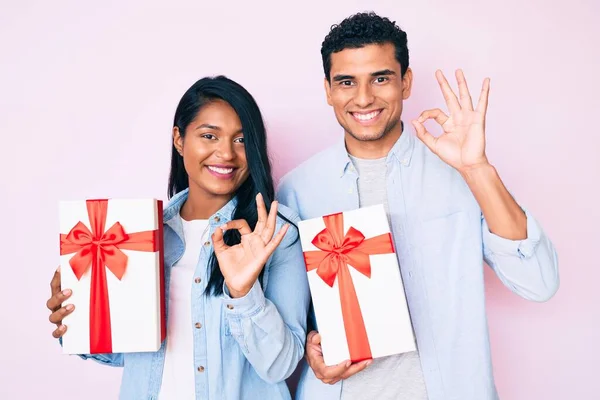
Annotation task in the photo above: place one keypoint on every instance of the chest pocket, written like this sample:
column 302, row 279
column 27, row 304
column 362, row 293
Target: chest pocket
column 439, row 232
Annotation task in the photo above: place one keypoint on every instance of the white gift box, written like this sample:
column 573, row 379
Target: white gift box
column 386, row 324
column 112, row 260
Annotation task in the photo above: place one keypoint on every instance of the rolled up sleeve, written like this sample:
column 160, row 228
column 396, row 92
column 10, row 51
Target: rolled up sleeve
column 528, row 267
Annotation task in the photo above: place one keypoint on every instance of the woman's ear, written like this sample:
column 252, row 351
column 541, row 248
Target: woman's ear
column 178, row 140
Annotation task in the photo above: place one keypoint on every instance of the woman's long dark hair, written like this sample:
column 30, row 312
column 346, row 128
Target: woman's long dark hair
column 260, row 180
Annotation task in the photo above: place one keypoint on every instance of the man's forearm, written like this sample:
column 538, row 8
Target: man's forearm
column 502, row 213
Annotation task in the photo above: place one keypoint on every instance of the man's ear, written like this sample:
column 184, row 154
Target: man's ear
column 327, row 86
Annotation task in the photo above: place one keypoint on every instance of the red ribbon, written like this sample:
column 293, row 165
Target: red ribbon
column 337, row 252
column 100, row 248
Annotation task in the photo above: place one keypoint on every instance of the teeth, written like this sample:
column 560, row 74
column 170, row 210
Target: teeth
column 366, row 117
column 221, row 170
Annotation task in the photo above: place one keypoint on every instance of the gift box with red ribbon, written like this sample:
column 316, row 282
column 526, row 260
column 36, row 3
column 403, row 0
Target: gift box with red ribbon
column 111, row 257
column 356, row 287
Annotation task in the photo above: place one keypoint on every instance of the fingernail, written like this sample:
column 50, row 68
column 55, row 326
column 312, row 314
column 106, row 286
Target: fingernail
column 66, row 292
column 348, row 363
column 69, row 307
column 58, row 269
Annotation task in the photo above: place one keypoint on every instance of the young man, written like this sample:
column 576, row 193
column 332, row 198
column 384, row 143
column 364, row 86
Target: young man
column 448, row 211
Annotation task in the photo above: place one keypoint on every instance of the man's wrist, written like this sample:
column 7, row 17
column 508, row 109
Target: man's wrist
column 478, row 173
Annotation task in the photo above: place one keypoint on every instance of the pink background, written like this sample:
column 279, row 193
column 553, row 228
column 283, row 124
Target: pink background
column 87, row 96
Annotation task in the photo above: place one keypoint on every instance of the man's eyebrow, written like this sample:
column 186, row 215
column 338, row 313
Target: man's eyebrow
column 383, row 72
column 339, row 78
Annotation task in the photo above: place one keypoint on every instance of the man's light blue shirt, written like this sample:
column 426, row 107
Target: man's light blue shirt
column 441, row 239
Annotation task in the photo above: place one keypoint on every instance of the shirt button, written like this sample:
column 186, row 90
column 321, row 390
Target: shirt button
column 350, row 190
column 198, row 325
column 197, row 280
column 217, row 219
column 207, row 243
column 230, row 306
column 201, row 369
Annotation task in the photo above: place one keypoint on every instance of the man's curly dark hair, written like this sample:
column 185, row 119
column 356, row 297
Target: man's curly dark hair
column 362, row 29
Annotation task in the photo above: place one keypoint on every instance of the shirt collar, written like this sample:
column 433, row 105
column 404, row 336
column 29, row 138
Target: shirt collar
column 403, row 149
column 401, row 152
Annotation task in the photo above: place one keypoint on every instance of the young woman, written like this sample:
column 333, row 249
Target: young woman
column 237, row 293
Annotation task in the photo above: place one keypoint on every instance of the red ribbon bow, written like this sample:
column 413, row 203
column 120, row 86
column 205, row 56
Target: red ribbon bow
column 337, row 252
column 100, row 248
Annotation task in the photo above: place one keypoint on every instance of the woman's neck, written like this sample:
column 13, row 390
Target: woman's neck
column 202, row 205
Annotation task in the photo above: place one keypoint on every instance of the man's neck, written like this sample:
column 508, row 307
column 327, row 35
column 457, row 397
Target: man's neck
column 373, row 149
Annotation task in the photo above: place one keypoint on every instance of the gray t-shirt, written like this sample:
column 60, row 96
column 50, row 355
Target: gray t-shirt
column 396, row 377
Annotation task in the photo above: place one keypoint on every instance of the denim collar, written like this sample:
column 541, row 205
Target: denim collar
column 171, row 212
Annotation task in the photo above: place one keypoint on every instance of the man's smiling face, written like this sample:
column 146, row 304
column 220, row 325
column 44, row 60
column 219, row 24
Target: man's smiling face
column 366, row 91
